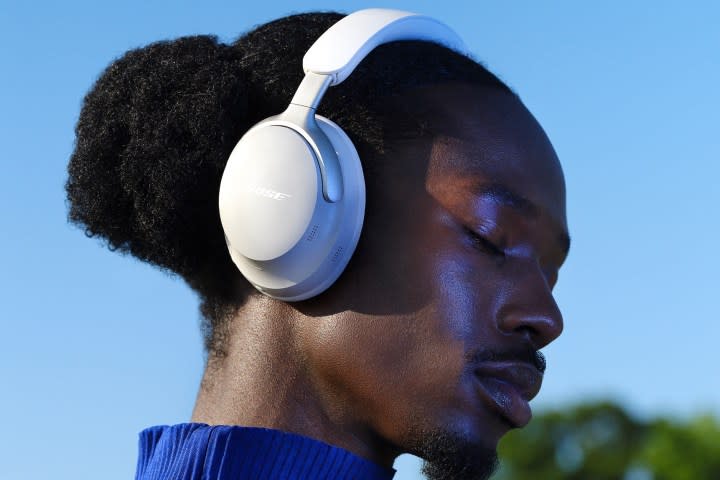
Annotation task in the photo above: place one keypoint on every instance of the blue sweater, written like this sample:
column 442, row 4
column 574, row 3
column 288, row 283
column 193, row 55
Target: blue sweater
column 195, row 451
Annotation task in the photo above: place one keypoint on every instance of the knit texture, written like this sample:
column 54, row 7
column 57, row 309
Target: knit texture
column 195, row 451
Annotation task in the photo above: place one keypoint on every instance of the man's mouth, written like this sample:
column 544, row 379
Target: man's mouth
column 507, row 387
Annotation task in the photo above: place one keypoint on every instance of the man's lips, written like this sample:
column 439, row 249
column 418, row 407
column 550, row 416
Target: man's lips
column 507, row 387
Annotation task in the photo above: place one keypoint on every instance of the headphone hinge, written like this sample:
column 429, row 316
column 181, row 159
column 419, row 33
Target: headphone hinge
column 311, row 90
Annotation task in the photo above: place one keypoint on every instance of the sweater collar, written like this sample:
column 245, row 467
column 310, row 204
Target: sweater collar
column 195, row 451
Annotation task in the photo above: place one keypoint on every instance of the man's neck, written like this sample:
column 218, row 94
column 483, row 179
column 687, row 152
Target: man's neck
column 262, row 381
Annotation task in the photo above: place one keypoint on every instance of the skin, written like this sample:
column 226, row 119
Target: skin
column 452, row 273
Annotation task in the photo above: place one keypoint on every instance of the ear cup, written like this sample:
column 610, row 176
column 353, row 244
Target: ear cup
column 283, row 235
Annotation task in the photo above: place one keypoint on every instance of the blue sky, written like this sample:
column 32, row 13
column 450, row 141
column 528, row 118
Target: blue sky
column 96, row 346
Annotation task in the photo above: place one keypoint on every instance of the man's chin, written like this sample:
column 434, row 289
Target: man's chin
column 449, row 457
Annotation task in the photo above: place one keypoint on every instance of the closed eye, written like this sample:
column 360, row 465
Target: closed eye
column 483, row 244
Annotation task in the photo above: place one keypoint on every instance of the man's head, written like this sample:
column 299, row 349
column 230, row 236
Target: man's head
column 428, row 342
column 453, row 298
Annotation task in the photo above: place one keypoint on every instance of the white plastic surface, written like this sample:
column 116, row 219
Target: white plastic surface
column 267, row 200
column 341, row 48
column 321, row 253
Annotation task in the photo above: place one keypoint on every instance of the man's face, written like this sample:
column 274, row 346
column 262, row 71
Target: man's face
column 450, row 297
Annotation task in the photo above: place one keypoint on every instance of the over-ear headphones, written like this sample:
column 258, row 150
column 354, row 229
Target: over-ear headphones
column 292, row 196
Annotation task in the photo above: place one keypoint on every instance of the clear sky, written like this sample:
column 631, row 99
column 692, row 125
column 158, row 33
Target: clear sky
column 96, row 347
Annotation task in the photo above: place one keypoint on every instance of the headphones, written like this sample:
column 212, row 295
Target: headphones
column 292, row 196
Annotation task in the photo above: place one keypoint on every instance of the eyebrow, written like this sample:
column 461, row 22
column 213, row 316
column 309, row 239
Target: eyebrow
column 502, row 195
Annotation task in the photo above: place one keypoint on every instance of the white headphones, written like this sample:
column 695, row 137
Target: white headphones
column 292, row 197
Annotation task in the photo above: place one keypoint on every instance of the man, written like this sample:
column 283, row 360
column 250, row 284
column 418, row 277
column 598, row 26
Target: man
column 428, row 343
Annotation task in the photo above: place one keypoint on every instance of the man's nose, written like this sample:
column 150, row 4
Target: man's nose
column 531, row 309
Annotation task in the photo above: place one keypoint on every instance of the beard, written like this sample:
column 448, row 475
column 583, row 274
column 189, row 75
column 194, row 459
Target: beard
column 451, row 457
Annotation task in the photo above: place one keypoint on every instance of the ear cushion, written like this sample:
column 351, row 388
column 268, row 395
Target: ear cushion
column 284, row 237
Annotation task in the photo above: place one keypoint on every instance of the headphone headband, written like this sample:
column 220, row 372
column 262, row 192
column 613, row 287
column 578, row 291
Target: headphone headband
column 343, row 46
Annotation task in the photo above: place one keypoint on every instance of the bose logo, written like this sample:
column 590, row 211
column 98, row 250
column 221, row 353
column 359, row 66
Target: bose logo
column 268, row 193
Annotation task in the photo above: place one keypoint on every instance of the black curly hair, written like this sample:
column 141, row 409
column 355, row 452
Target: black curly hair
column 157, row 127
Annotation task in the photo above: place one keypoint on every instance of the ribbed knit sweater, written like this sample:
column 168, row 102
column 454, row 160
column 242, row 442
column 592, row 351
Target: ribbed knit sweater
column 195, row 451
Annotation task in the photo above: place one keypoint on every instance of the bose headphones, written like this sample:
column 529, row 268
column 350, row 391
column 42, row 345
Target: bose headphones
column 292, row 196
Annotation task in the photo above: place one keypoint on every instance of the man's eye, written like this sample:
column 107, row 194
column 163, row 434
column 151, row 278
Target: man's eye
column 483, row 244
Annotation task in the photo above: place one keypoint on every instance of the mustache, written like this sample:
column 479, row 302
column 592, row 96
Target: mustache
column 527, row 355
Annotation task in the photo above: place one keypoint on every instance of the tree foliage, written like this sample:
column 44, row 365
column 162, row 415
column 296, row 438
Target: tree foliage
column 602, row 441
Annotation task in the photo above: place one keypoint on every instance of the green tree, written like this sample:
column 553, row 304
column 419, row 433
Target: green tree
column 690, row 450
column 601, row 441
